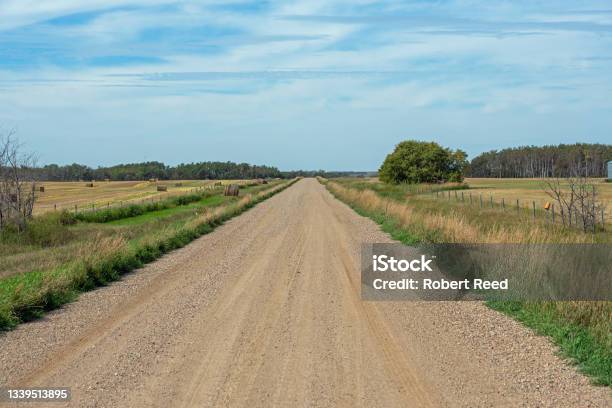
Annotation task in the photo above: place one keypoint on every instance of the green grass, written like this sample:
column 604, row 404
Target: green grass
column 134, row 210
column 28, row 295
column 206, row 202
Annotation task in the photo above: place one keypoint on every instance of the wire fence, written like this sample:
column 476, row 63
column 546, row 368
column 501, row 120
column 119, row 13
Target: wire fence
column 529, row 208
column 99, row 205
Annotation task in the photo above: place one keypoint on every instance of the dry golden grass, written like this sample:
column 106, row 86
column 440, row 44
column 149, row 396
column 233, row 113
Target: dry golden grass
column 455, row 224
column 65, row 195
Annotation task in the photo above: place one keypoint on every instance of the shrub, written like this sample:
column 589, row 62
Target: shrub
column 67, row 218
column 47, row 230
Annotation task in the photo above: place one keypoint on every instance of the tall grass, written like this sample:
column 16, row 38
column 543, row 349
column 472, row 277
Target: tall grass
column 28, row 295
column 582, row 330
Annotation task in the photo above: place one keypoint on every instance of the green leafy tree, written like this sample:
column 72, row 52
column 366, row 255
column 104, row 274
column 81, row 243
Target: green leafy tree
column 422, row 162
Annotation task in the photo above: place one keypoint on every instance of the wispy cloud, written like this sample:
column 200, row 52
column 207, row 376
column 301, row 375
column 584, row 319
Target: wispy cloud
column 339, row 71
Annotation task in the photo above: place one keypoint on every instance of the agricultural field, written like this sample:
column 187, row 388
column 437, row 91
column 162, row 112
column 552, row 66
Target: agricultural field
column 528, row 190
column 65, row 195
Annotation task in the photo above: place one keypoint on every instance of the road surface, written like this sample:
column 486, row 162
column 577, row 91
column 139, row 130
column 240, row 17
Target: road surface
column 265, row 311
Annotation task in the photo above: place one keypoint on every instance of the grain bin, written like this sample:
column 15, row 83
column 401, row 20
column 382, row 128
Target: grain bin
column 232, row 190
column 610, row 171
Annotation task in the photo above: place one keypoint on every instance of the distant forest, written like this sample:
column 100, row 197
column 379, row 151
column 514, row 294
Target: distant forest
column 149, row 170
column 191, row 171
column 546, row 161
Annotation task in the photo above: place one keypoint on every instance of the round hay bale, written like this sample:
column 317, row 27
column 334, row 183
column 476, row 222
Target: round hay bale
column 162, row 188
column 89, row 184
column 41, row 189
column 232, row 190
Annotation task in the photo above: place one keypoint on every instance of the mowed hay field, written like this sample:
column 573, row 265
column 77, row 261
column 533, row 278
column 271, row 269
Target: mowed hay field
column 65, row 195
column 528, row 189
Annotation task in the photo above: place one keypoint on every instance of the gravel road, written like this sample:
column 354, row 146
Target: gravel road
column 265, row 311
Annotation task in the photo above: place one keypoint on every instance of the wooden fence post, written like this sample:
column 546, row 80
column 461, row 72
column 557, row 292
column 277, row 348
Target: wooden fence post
column 517, row 206
column 603, row 220
column 594, row 215
column 534, row 210
column 462, row 200
column 491, row 197
column 481, row 200
column 503, row 204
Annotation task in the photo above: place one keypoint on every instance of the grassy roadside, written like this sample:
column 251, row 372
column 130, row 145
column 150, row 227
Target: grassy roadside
column 581, row 330
column 53, row 238
column 28, row 295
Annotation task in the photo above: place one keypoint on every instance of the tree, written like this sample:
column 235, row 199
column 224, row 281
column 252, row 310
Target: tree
column 17, row 183
column 576, row 197
column 543, row 161
column 422, row 162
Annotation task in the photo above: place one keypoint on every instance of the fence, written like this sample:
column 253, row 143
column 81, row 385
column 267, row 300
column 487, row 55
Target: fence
column 546, row 212
column 98, row 206
column 160, row 196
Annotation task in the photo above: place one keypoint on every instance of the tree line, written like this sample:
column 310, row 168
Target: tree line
column 154, row 169
column 543, row 161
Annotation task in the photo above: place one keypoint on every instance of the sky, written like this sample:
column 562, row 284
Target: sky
column 305, row 84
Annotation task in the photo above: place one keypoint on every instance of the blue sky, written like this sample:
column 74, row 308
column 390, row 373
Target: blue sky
column 302, row 84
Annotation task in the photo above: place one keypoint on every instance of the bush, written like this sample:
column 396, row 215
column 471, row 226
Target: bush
column 67, row 218
column 422, row 162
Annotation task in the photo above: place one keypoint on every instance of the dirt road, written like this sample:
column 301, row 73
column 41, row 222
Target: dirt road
column 265, row 311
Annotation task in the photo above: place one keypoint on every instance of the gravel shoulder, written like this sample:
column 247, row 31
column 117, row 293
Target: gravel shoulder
column 265, row 311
